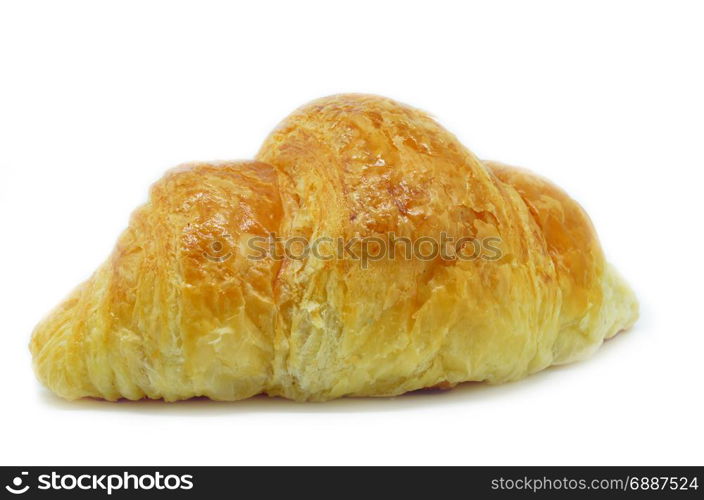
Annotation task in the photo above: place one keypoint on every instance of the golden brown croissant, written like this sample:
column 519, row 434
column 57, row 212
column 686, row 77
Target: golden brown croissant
column 204, row 295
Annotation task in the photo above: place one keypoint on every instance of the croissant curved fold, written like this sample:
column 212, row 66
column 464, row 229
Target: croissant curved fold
column 204, row 296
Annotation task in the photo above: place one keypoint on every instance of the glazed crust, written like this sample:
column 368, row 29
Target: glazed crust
column 182, row 309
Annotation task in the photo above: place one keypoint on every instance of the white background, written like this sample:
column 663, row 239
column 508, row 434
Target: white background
column 98, row 99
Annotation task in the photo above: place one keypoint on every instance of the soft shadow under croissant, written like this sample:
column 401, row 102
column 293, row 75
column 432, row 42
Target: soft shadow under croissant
column 186, row 305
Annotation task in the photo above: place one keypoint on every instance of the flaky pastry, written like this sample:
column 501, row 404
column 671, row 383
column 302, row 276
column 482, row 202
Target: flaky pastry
column 198, row 298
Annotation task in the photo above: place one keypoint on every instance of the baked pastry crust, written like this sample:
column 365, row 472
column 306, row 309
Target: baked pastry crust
column 181, row 309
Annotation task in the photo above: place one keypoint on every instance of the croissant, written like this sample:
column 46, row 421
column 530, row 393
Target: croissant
column 204, row 294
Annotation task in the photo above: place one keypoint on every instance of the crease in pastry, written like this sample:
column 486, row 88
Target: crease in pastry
column 182, row 308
